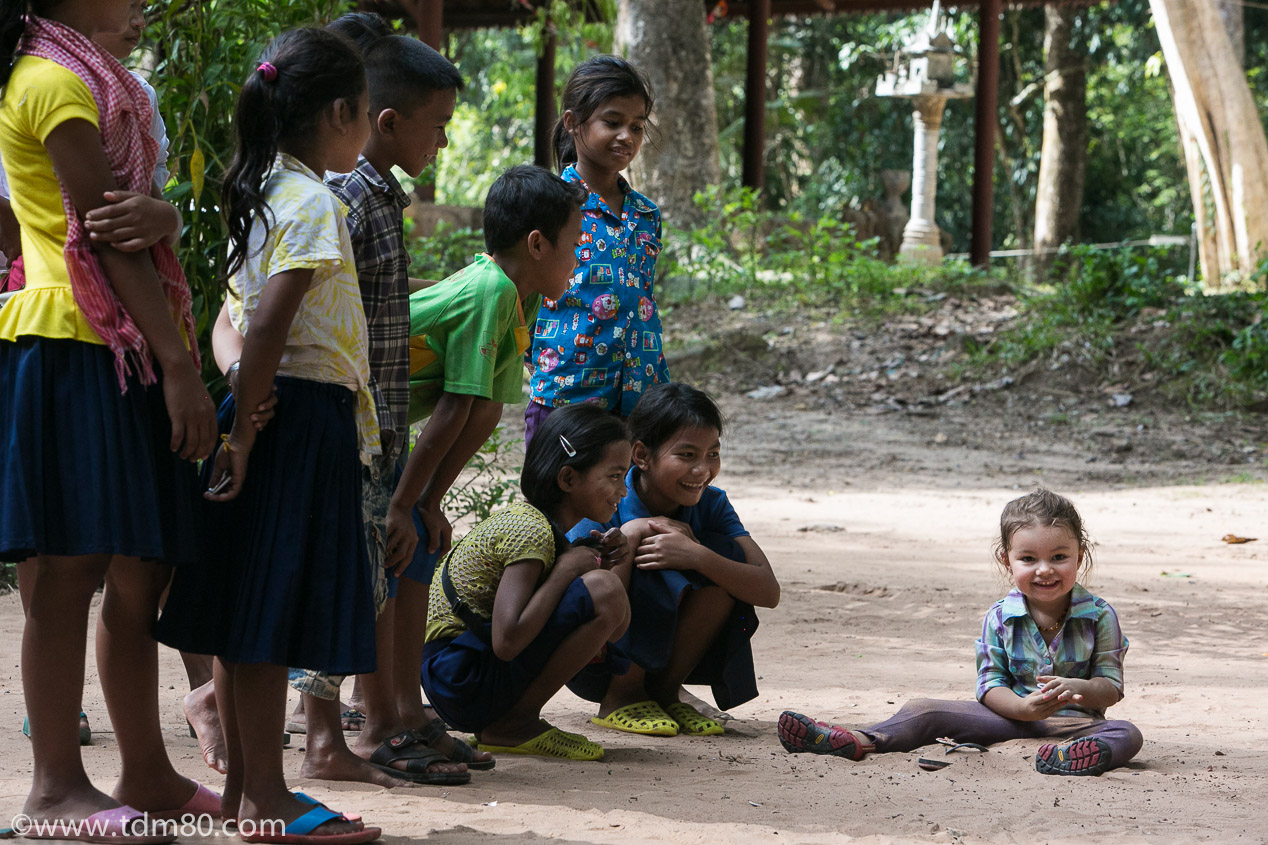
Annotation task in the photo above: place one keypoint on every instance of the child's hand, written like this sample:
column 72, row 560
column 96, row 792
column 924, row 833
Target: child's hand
column 613, row 547
column 265, row 411
column 228, row 471
column 191, row 412
column 1037, row 707
column 576, row 562
column 1066, row 690
column 132, row 222
column 439, row 531
column 402, row 539
column 667, row 548
column 664, row 523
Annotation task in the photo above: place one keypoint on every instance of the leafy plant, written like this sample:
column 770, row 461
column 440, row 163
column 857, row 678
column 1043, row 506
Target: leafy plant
column 490, row 481
column 444, row 253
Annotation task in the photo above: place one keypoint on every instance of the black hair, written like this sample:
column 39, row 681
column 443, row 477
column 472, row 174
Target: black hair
column 593, row 81
column 665, row 409
column 527, row 198
column 361, row 28
column 572, row 436
column 402, row 70
column 12, row 26
column 311, row 68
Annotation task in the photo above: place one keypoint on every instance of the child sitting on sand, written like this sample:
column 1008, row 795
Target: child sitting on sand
column 1049, row 663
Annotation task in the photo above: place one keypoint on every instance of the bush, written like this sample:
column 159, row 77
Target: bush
column 444, row 253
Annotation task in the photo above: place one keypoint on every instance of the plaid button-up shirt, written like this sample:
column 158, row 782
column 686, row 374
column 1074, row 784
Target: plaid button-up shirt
column 376, row 204
column 1012, row 652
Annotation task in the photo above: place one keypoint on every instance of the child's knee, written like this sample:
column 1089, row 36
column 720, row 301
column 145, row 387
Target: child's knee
column 607, row 593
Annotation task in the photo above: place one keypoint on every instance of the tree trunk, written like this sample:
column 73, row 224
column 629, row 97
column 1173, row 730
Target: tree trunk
column 1063, row 161
column 1217, row 116
column 669, row 41
column 1233, row 17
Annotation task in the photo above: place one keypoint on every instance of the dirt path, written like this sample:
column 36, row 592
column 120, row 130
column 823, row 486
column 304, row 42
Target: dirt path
column 879, row 530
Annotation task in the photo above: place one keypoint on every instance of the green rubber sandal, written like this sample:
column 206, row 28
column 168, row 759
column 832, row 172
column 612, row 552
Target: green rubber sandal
column 645, row 717
column 691, row 722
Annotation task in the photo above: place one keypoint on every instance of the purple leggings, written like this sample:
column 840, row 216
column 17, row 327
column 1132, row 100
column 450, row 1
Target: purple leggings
column 534, row 415
column 923, row 720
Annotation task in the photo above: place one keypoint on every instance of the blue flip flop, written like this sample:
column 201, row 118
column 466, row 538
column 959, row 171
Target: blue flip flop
column 85, row 732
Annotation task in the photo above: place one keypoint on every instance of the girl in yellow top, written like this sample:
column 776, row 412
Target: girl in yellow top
column 288, row 580
column 100, row 400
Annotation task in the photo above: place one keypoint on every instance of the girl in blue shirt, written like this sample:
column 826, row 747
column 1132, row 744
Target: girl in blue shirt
column 601, row 342
column 1049, row 663
column 697, row 575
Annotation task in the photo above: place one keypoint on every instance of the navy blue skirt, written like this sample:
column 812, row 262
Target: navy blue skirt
column 471, row 688
column 287, row 579
column 86, row 469
column 655, row 595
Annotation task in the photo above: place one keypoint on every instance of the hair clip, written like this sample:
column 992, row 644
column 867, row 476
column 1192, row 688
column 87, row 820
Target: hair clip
column 568, row 450
column 268, row 71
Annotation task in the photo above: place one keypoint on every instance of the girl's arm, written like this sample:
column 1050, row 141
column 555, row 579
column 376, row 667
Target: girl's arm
column 752, row 581
column 521, row 609
column 226, row 345
column 10, row 232
column 79, row 160
column 261, row 353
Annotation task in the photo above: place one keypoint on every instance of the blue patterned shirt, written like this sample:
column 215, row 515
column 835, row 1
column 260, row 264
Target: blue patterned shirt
column 1012, row 652
column 602, row 342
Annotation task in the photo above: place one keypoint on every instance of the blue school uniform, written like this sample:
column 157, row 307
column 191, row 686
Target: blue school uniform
column 727, row 666
column 602, row 341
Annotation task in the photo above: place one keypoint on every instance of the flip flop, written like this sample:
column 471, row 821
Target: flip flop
column 552, row 743
column 204, row 802
column 417, row 755
column 691, row 722
column 300, row 831
column 352, row 716
column 801, row 734
column 461, row 752
column 85, row 732
column 645, row 717
column 1090, row 756
column 108, row 827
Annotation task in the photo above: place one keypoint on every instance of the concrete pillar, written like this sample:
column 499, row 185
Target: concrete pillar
column 921, row 236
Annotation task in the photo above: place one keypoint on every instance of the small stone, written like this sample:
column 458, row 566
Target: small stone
column 736, row 302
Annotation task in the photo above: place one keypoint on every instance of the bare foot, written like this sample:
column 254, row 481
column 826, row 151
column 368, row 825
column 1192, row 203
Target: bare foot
column 447, row 744
column 74, row 805
column 200, row 710
column 703, row 707
column 366, row 745
column 351, row 718
column 261, row 817
column 342, row 764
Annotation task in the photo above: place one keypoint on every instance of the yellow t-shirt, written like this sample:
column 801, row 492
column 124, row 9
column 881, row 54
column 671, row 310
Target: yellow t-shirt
column 519, row 532
column 40, row 96
column 327, row 340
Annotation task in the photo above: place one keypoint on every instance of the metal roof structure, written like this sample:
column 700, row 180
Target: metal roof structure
column 432, row 17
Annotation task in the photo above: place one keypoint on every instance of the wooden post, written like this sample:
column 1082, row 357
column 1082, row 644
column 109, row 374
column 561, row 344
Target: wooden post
column 755, row 93
column 545, row 109
column 984, row 131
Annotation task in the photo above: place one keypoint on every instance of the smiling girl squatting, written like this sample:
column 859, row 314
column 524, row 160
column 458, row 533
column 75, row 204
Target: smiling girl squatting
column 1049, row 662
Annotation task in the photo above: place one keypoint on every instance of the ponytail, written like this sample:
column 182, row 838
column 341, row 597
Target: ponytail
column 299, row 76
column 593, row 81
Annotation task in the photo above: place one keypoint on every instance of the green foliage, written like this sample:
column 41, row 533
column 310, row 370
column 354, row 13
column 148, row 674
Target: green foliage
column 793, row 260
column 490, row 481
column 446, row 252
column 1204, row 349
column 200, row 54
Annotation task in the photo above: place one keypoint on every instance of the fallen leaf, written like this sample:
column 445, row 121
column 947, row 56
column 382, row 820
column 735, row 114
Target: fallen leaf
column 1166, row 574
column 1233, row 539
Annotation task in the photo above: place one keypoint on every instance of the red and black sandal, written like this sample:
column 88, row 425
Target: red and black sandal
column 802, row 735
column 1088, row 756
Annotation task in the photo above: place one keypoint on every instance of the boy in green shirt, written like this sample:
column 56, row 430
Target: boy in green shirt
column 468, row 335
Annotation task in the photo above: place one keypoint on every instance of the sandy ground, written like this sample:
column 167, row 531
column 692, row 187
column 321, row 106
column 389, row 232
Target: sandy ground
column 880, row 536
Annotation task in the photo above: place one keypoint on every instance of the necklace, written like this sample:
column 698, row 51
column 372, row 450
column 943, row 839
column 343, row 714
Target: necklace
column 1052, row 629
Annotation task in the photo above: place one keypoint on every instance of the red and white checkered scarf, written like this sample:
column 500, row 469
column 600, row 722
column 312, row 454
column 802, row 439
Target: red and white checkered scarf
column 124, row 115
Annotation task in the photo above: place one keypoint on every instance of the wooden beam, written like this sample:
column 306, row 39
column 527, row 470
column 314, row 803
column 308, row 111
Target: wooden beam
column 544, row 118
column 431, row 22
column 987, row 115
column 755, row 94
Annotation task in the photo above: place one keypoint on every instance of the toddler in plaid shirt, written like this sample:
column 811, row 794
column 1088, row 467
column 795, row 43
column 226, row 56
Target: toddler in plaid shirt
column 1049, row 662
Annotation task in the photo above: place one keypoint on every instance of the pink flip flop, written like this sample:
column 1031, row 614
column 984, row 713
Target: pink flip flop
column 203, row 803
column 108, row 827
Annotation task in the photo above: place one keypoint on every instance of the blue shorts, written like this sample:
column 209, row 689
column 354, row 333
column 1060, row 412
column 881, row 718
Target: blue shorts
column 468, row 685
column 423, row 565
